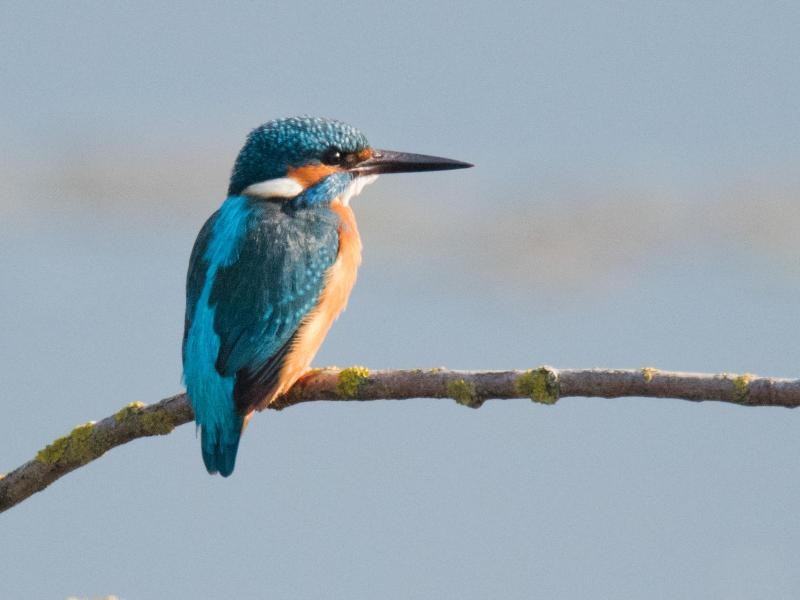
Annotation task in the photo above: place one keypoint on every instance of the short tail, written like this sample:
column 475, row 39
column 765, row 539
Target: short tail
column 219, row 443
column 211, row 395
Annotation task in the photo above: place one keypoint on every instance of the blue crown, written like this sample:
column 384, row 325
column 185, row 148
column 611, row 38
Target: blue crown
column 277, row 145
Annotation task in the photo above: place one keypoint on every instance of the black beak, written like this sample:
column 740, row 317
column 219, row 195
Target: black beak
column 387, row 161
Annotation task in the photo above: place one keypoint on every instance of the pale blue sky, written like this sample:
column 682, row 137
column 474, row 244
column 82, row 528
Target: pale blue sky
column 634, row 202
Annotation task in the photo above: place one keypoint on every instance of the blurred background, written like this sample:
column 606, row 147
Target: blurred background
column 634, row 202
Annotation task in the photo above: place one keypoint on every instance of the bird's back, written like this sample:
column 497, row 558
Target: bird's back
column 257, row 270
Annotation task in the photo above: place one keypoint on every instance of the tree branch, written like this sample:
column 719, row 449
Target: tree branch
column 544, row 385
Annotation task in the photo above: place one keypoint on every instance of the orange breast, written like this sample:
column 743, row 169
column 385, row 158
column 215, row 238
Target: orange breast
column 339, row 281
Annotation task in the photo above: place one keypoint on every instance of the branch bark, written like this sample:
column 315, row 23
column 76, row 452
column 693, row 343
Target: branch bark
column 545, row 385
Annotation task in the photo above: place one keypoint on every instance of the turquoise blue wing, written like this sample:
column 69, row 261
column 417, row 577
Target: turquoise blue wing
column 262, row 298
column 255, row 273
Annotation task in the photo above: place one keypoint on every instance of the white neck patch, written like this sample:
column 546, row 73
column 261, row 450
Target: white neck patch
column 355, row 187
column 287, row 187
column 282, row 187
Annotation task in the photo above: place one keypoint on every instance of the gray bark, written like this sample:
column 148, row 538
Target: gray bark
column 544, row 385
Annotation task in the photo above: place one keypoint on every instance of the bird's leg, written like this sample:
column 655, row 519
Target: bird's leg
column 282, row 401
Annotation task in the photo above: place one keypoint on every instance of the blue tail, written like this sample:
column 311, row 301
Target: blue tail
column 214, row 411
column 211, row 395
column 220, row 444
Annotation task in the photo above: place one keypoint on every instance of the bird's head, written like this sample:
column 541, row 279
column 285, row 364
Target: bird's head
column 318, row 158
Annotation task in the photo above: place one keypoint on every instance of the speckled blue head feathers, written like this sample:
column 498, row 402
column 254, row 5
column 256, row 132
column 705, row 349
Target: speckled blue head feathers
column 292, row 142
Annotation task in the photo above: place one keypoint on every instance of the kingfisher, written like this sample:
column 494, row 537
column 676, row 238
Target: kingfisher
column 273, row 267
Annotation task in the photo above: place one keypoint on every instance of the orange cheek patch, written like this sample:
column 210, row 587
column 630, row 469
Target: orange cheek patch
column 309, row 175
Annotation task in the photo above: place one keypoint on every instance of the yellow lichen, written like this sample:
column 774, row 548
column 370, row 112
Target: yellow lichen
column 540, row 385
column 648, row 373
column 157, row 422
column 741, row 387
column 130, row 409
column 463, row 392
column 350, row 381
column 77, row 447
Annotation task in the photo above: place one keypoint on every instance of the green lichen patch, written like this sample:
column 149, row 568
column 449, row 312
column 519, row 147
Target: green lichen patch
column 157, row 422
column 741, row 387
column 130, row 409
column 464, row 393
column 540, row 385
column 79, row 447
column 648, row 373
column 350, row 380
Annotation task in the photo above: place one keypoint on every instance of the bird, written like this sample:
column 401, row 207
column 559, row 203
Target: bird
column 273, row 268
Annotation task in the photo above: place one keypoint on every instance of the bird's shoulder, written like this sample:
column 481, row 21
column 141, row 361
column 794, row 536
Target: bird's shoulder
column 260, row 298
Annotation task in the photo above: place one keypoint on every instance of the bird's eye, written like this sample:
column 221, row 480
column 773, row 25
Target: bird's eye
column 332, row 156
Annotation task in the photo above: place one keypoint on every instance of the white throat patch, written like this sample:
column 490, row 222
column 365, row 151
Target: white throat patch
column 287, row 187
column 282, row 187
column 355, row 187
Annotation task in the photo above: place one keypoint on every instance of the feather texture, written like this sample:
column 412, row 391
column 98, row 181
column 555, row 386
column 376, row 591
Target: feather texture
column 257, row 270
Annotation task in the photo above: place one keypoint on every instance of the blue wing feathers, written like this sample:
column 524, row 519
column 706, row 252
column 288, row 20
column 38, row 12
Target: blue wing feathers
column 256, row 271
column 264, row 295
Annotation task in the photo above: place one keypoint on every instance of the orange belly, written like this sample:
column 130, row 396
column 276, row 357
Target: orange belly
column 339, row 281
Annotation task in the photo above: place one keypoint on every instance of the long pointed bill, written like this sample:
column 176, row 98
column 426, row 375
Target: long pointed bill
column 387, row 161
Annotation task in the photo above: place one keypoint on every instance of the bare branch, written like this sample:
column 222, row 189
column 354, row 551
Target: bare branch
column 545, row 385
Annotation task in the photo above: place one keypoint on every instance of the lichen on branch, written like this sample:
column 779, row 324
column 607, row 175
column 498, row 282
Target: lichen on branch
column 544, row 385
